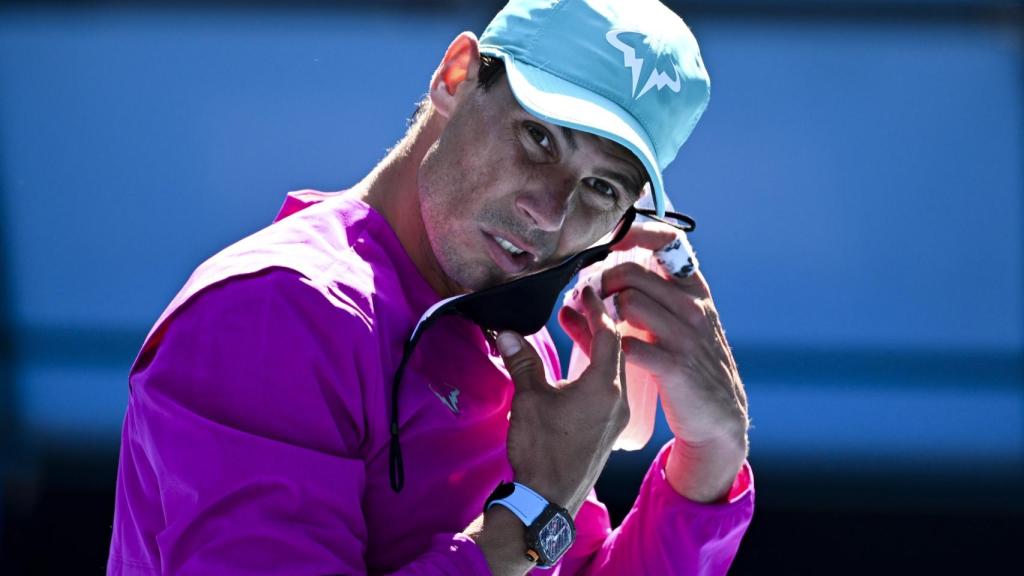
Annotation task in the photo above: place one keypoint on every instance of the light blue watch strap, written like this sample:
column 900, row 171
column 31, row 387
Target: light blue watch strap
column 523, row 502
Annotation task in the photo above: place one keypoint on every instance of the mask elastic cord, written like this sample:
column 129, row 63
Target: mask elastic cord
column 690, row 226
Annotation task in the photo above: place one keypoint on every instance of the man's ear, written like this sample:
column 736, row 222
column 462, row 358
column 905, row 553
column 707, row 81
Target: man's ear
column 457, row 73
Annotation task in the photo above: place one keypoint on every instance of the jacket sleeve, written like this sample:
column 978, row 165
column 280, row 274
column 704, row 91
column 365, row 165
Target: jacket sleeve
column 241, row 453
column 664, row 533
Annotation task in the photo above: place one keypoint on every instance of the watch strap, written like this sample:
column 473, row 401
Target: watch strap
column 526, row 504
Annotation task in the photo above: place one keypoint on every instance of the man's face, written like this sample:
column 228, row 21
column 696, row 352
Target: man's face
column 504, row 194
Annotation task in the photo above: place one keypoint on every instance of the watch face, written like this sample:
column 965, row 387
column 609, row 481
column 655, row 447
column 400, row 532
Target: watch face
column 555, row 537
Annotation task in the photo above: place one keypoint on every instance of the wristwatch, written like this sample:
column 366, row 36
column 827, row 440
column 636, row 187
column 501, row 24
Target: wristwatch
column 549, row 528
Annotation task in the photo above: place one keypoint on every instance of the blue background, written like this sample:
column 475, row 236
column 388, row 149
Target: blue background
column 857, row 180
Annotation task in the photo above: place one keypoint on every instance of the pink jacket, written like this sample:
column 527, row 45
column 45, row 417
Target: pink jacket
column 256, row 435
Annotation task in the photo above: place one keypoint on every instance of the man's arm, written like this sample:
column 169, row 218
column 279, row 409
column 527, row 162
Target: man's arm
column 697, row 499
column 665, row 533
column 242, row 454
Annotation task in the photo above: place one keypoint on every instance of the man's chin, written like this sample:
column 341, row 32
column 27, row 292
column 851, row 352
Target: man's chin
column 476, row 280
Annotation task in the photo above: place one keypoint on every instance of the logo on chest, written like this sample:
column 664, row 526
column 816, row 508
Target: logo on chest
column 447, row 394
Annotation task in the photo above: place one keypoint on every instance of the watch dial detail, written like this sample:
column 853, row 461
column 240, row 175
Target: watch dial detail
column 555, row 537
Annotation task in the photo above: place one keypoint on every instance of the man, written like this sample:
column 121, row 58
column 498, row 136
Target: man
column 257, row 438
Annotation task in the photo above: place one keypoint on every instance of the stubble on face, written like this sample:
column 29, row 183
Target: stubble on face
column 461, row 187
column 468, row 182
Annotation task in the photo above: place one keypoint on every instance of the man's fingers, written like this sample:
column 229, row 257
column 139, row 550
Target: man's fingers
column 696, row 282
column 596, row 314
column 671, row 294
column 605, row 358
column 605, row 346
column 575, row 325
column 650, row 235
column 655, row 236
column 650, row 357
column 643, row 312
column 521, row 361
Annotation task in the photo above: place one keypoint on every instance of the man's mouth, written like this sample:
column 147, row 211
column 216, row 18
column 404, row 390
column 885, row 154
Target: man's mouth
column 509, row 256
column 508, row 246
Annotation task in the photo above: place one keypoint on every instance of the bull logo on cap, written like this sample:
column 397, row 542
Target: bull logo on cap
column 628, row 42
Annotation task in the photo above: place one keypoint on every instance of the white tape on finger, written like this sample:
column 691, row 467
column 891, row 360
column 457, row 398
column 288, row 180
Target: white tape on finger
column 678, row 257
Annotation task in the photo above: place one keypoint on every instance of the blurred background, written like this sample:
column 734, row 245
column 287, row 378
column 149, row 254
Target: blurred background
column 857, row 180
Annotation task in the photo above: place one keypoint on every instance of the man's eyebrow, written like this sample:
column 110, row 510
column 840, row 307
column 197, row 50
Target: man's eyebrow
column 630, row 183
column 633, row 182
column 570, row 138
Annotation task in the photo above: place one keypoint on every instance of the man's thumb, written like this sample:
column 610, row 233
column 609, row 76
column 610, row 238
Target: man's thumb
column 521, row 360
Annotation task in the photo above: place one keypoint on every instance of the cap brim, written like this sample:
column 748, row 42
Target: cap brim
column 566, row 104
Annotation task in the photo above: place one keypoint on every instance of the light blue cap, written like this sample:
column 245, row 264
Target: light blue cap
column 626, row 70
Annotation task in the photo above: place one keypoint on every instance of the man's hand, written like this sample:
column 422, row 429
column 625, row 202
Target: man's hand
column 560, row 434
column 688, row 356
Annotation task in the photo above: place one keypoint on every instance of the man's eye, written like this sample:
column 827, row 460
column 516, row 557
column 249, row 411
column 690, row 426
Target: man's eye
column 539, row 135
column 601, row 187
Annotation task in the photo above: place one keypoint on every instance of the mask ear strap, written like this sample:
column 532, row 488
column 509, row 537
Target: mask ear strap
column 689, row 223
column 624, row 225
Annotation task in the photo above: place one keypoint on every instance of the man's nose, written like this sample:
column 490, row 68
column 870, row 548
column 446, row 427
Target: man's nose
column 546, row 205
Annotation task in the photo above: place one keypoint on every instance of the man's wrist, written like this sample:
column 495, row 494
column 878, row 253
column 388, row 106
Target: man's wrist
column 569, row 497
column 502, row 538
column 705, row 473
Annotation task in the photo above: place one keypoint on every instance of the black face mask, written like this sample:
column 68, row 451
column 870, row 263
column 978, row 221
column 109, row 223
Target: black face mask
column 522, row 305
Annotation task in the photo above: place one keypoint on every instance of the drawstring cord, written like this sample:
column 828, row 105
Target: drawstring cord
column 396, row 469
